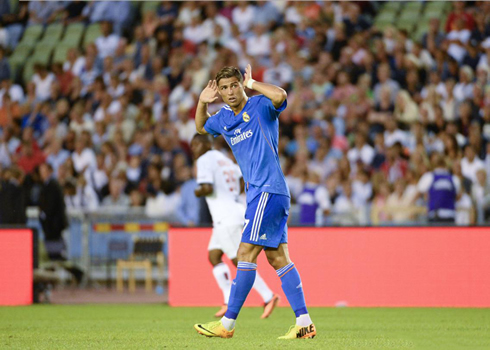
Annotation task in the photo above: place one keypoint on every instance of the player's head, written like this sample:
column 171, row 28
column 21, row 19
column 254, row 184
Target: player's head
column 200, row 144
column 230, row 87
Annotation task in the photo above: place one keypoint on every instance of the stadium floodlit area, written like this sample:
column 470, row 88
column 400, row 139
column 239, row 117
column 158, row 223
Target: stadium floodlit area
column 162, row 327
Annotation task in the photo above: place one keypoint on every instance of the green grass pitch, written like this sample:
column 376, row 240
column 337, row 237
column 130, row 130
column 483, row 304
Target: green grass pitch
column 162, row 327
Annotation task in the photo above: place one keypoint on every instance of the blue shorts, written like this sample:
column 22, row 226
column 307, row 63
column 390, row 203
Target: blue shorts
column 266, row 220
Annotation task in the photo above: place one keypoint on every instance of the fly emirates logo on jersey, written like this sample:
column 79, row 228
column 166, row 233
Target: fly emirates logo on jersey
column 239, row 136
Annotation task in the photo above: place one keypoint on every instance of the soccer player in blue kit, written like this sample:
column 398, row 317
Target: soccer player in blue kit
column 251, row 128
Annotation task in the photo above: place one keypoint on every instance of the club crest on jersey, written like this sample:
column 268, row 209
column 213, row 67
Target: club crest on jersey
column 246, row 117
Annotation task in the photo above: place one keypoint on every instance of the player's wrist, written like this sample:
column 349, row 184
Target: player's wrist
column 250, row 83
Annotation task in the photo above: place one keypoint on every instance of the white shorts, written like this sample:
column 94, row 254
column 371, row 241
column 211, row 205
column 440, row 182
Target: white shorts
column 226, row 239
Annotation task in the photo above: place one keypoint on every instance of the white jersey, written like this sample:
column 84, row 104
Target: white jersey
column 216, row 169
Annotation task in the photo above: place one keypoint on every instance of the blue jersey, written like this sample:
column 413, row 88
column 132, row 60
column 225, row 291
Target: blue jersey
column 253, row 136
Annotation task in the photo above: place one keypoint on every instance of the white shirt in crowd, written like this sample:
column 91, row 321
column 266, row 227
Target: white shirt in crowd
column 43, row 86
column 395, row 136
column 107, row 45
column 457, row 51
column 365, row 154
column 259, row 45
column 85, row 198
column 243, row 18
column 216, row 169
column 162, row 205
column 464, row 207
column 15, row 92
column 84, row 161
column 469, row 169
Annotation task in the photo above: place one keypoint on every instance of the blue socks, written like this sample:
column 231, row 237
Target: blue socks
column 241, row 286
column 293, row 288
column 245, row 278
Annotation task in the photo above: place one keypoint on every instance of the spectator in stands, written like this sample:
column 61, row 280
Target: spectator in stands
column 442, row 189
column 384, row 79
column 29, row 157
column 80, row 196
column 189, row 206
column 56, row 155
column 470, row 164
column 52, row 213
column 459, row 14
column 43, row 12
column 13, row 194
column 72, row 12
column 314, row 201
column 116, row 200
column 107, row 43
column 14, row 22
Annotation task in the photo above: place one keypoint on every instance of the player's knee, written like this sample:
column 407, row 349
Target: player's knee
column 214, row 259
column 245, row 255
column 277, row 261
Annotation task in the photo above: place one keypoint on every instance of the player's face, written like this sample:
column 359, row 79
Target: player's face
column 231, row 90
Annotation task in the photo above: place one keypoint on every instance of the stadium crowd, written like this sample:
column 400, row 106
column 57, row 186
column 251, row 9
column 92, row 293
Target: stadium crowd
column 369, row 111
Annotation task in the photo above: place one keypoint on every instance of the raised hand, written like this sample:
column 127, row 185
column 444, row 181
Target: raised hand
column 209, row 94
column 248, row 74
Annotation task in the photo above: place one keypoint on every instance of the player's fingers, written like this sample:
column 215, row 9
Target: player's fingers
column 210, row 83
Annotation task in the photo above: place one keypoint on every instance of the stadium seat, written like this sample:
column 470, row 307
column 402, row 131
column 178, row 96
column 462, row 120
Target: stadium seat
column 52, row 35
column 73, row 34
column 413, row 6
column 144, row 250
column 392, row 6
column 435, row 13
column 384, row 20
column 28, row 71
column 59, row 54
column 14, row 5
column 442, row 6
column 42, row 53
column 149, row 6
column 32, row 34
column 407, row 20
column 93, row 32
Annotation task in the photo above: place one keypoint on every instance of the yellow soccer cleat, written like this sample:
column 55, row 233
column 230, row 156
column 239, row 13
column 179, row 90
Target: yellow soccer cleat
column 298, row 332
column 214, row 329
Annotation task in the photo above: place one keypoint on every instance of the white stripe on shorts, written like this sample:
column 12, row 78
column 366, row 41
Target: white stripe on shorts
column 259, row 214
column 254, row 223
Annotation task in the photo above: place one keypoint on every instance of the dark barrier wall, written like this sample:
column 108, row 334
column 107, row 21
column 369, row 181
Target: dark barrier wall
column 388, row 266
column 16, row 266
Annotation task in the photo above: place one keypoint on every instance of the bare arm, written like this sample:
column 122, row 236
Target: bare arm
column 203, row 190
column 274, row 93
column 208, row 95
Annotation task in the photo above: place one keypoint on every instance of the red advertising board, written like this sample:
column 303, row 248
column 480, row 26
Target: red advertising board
column 387, row 266
column 16, row 266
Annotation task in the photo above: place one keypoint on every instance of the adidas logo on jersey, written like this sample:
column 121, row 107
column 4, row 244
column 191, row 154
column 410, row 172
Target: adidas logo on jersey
column 263, row 236
column 241, row 136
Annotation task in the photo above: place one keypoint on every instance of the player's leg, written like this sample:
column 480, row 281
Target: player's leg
column 241, row 286
column 221, row 271
column 230, row 248
column 293, row 288
column 222, row 275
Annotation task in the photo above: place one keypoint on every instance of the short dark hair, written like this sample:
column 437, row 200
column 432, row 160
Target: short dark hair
column 204, row 138
column 229, row 72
